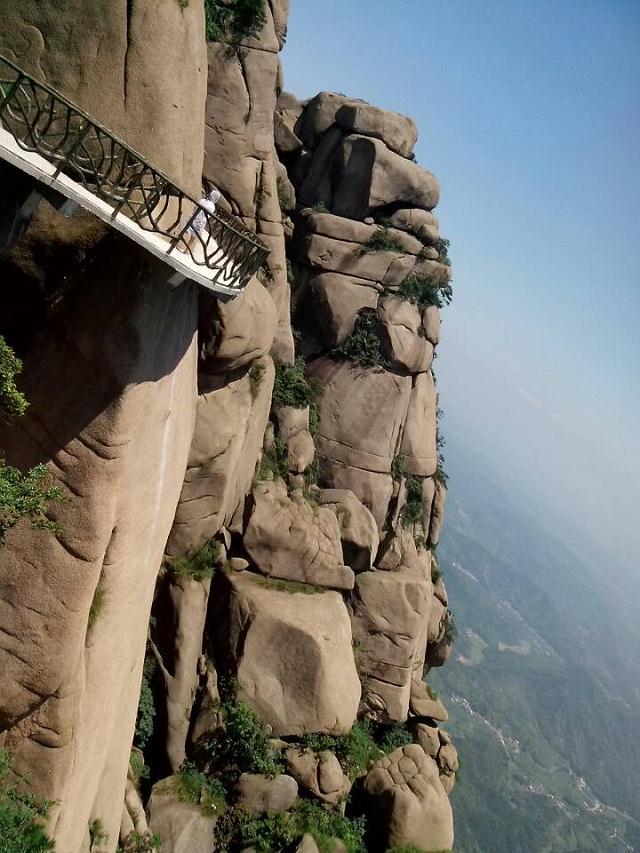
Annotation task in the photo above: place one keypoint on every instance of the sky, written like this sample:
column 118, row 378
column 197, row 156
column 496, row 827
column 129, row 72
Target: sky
column 529, row 114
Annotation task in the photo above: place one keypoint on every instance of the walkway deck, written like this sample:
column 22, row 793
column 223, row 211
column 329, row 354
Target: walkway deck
column 60, row 146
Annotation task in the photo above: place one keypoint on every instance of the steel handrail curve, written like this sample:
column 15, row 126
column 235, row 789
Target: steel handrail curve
column 43, row 121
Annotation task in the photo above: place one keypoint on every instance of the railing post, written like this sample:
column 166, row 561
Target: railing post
column 66, row 159
column 11, row 91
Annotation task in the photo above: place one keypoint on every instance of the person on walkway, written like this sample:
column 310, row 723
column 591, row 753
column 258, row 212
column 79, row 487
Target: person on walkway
column 199, row 223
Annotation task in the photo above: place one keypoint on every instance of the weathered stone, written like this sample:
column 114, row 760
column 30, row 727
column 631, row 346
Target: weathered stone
column 287, row 538
column 431, row 324
column 111, row 388
column 389, row 610
column 321, row 774
column 398, row 132
column 307, row 844
column 183, row 827
column 293, row 425
column 337, row 300
column 353, row 231
column 286, row 192
column 326, row 253
column 258, row 626
column 372, row 489
column 314, row 172
column 182, row 603
column 358, row 528
column 109, row 67
column 422, row 223
column 437, row 513
column 436, row 619
column 404, row 345
column 207, row 715
column 408, row 801
column 422, row 705
column 427, row 737
column 266, row 795
column 225, row 448
column 318, row 116
column 440, row 591
column 438, row 654
column 369, row 176
column 418, row 446
column 353, row 396
column 448, row 783
column 284, row 134
column 448, row 759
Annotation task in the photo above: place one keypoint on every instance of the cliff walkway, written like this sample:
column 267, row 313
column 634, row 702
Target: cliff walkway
column 59, row 145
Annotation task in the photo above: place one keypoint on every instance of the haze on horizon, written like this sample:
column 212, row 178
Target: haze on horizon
column 529, row 113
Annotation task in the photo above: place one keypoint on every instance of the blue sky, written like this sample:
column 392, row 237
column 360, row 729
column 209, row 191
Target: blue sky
column 529, row 114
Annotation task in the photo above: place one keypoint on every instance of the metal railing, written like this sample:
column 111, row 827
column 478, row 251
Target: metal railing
column 43, row 121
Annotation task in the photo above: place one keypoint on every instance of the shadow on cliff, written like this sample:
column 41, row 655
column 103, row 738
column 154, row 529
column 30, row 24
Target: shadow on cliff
column 91, row 315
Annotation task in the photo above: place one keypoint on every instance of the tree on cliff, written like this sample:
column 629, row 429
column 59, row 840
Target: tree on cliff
column 21, row 495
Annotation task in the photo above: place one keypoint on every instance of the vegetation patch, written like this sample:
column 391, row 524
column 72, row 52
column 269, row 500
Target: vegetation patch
column 242, row 744
column 140, row 842
column 21, row 816
column 426, row 290
column 355, row 750
column 256, row 373
column 393, row 737
column 193, row 787
column 196, row 565
column 363, row 344
column 146, row 706
column 12, row 403
column 436, row 574
column 233, row 20
column 273, row 463
column 97, row 835
column 319, row 207
column 450, row 629
column 292, row 388
column 282, row 585
column 26, row 496
column 442, row 248
column 382, row 240
column 413, row 510
column 238, row 829
column 98, row 601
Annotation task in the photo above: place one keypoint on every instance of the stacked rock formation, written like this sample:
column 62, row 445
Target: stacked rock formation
column 288, row 499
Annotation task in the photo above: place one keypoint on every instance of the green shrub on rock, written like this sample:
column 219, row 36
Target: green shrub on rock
column 292, row 388
column 233, row 20
column 363, row 344
column 242, row 744
column 354, row 750
column 195, row 788
column 426, row 290
column 197, row 565
column 21, row 816
column 382, row 240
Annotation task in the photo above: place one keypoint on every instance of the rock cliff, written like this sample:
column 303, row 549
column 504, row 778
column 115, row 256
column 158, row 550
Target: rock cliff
column 252, row 491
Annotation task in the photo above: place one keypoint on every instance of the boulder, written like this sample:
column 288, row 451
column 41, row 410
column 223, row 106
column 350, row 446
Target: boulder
column 372, row 489
column 369, row 176
column 404, row 341
column 388, row 268
column 284, row 134
column 183, row 827
column 230, row 337
column 437, row 512
column 293, row 425
column 358, row 528
column 231, row 420
column 307, row 844
column 355, row 396
column 388, row 613
column 287, row 538
column 448, row 759
column 409, row 802
column 436, row 616
column 431, row 324
column 336, row 301
column 353, row 231
column 318, row 116
column 422, row 705
column 422, row 223
column 261, row 794
column 440, row 591
column 312, row 172
column 398, row 132
column 418, row 446
column 286, row 192
column 256, row 629
column 321, row 774
column 427, row 737
column 438, row 654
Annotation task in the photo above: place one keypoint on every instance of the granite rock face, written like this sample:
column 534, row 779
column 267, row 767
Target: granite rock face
column 251, row 520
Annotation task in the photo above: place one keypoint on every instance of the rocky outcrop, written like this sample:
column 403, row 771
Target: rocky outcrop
column 276, row 510
column 408, row 798
column 258, row 625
